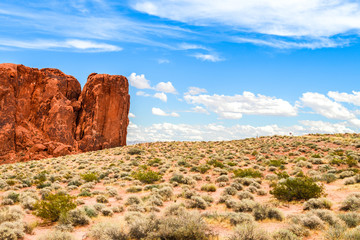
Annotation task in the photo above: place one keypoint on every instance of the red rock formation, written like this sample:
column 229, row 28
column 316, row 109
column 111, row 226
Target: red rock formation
column 43, row 113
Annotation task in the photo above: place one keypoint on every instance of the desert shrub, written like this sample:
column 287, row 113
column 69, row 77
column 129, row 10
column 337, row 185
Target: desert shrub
column 248, row 231
column 203, row 168
column 327, row 216
column 310, row 221
column 90, row 177
column 352, row 234
column 53, row 206
column 131, row 200
column 245, row 205
column 184, row 226
column 240, row 218
column 215, row 163
column 146, row 176
column 351, row 219
column 335, row 232
column 101, row 199
column 108, row 231
column 90, row 211
column 299, row 230
column 245, row 195
column 57, row 235
column 10, row 214
column 247, row 172
column 107, row 211
column 134, row 151
column 317, row 203
column 12, row 195
column 141, row 227
column 166, row 192
column 262, row 212
column 222, row 178
column 346, row 174
column 237, row 186
column 134, row 189
column 328, row 177
column 196, row 202
column 229, row 191
column 12, row 230
column 78, row 217
column 28, row 200
column 284, row 234
column 208, row 188
column 351, row 203
column 297, row 189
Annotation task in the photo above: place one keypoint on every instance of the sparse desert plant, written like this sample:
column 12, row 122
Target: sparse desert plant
column 317, row 203
column 351, row 219
column 78, row 217
column 186, row 225
column 208, row 188
column 284, row 234
column 146, row 176
column 247, row 172
column 351, row 203
column 108, row 231
column 90, row 177
column 57, row 235
column 54, row 205
column 297, row 189
column 248, row 231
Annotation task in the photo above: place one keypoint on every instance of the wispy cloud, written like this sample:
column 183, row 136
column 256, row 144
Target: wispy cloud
column 305, row 23
column 208, row 57
column 73, row 44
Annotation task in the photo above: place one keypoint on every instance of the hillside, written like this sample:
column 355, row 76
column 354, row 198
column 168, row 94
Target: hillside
column 190, row 190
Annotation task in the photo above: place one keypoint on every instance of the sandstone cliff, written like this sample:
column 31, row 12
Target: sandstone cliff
column 44, row 113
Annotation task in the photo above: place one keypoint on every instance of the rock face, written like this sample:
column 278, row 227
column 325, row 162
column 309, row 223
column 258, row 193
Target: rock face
column 44, row 113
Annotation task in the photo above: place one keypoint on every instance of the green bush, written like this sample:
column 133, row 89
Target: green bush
column 89, row 177
column 54, row 205
column 135, row 151
column 297, row 189
column 146, row 176
column 247, row 172
column 208, row 188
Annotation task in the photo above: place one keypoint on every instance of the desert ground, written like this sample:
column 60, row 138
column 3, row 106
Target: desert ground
column 279, row 187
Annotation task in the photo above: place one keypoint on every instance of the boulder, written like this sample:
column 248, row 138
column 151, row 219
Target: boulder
column 44, row 113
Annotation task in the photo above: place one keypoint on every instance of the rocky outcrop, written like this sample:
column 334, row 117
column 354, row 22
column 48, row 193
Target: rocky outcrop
column 44, row 113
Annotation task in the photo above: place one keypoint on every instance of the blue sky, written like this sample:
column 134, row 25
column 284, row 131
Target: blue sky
column 199, row 69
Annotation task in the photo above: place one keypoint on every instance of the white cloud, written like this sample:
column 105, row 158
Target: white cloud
column 160, row 112
column 162, row 61
column 188, row 46
column 215, row 132
column 139, row 81
column 142, row 93
column 74, row 44
column 207, row 57
column 325, row 127
column 289, row 44
column 162, row 96
column 131, row 115
column 166, row 87
column 296, row 18
column 199, row 109
column 325, row 106
column 233, row 107
column 353, row 98
column 195, row 91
